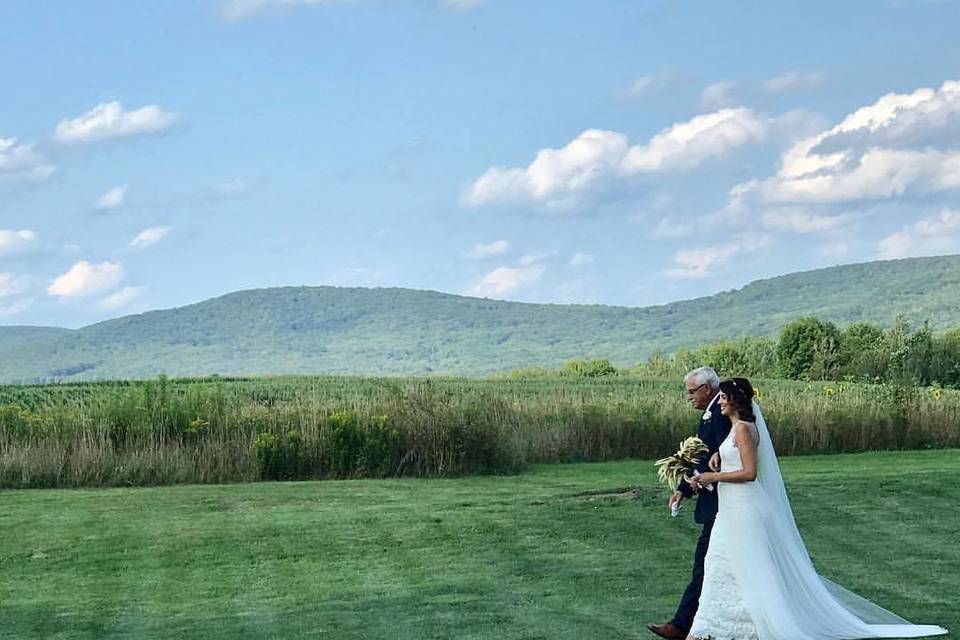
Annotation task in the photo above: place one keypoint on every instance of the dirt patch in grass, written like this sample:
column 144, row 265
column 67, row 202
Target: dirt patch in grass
column 618, row 493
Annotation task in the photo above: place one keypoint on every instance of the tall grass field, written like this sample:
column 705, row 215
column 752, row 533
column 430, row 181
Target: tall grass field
column 292, row 428
column 562, row 552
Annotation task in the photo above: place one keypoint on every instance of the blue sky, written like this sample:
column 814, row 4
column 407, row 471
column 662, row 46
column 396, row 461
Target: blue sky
column 155, row 154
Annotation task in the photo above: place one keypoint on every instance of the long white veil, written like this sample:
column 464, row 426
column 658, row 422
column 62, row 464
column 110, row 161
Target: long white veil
column 785, row 596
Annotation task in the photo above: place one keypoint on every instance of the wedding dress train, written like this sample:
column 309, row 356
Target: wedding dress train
column 759, row 582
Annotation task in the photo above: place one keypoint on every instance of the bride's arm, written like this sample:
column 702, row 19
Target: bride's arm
column 744, row 435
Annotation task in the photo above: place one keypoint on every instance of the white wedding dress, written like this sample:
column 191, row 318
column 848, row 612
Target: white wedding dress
column 759, row 582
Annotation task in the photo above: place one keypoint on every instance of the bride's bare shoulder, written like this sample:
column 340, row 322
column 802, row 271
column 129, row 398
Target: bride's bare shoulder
column 745, row 428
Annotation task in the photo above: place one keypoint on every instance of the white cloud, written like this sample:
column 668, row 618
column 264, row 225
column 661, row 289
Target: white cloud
column 896, row 245
column 113, row 198
column 935, row 235
column 642, row 86
column 531, row 258
column 109, row 120
column 149, row 237
column 901, row 144
column 650, row 85
column 696, row 263
column 557, row 176
column 874, row 174
column 579, row 259
column 495, row 248
column 240, row 9
column 16, row 308
column 11, row 285
column 801, row 221
column 13, row 241
column 794, row 81
column 555, row 173
column 687, row 144
column 667, row 228
column 86, row 279
column 718, row 95
column 18, row 160
column 122, row 298
column 234, row 187
column 506, row 280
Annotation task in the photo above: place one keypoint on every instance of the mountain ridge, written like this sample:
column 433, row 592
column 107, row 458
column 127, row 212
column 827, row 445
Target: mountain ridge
column 398, row 331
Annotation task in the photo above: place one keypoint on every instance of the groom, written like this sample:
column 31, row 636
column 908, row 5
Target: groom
column 703, row 389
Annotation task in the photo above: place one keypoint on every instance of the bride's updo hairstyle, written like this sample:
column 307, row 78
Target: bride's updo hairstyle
column 739, row 391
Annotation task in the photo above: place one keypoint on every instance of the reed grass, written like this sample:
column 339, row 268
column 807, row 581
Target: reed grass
column 236, row 430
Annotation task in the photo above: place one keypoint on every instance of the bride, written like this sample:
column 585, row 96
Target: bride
column 759, row 582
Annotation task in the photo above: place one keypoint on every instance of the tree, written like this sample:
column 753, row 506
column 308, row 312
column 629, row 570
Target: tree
column 862, row 353
column 917, row 366
column 946, row 359
column 808, row 348
column 910, row 352
column 859, row 337
column 724, row 357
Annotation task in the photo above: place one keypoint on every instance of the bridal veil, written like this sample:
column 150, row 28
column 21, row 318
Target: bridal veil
column 783, row 593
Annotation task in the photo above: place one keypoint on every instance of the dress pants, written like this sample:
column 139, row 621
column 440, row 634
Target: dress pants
column 683, row 619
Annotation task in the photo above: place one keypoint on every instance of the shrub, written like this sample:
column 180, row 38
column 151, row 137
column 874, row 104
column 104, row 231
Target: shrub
column 280, row 457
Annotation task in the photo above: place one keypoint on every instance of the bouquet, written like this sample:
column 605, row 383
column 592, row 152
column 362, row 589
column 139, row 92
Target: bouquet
column 672, row 469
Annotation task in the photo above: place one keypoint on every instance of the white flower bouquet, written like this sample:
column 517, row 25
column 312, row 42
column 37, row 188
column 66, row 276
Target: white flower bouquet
column 682, row 465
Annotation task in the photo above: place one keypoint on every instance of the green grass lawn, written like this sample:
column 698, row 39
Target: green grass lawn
column 507, row 557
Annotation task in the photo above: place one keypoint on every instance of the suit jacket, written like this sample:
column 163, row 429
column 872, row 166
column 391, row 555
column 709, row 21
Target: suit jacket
column 712, row 431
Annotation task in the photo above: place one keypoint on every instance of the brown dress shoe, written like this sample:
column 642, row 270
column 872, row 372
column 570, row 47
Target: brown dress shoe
column 667, row 630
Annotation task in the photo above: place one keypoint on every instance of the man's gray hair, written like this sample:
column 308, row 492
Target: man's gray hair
column 704, row 375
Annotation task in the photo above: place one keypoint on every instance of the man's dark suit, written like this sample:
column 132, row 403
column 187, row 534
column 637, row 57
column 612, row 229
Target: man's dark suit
column 712, row 431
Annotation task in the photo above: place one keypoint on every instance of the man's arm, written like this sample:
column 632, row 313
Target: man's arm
column 707, row 434
column 712, row 433
column 684, row 490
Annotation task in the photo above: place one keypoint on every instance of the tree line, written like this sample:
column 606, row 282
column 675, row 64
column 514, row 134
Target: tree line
column 806, row 349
